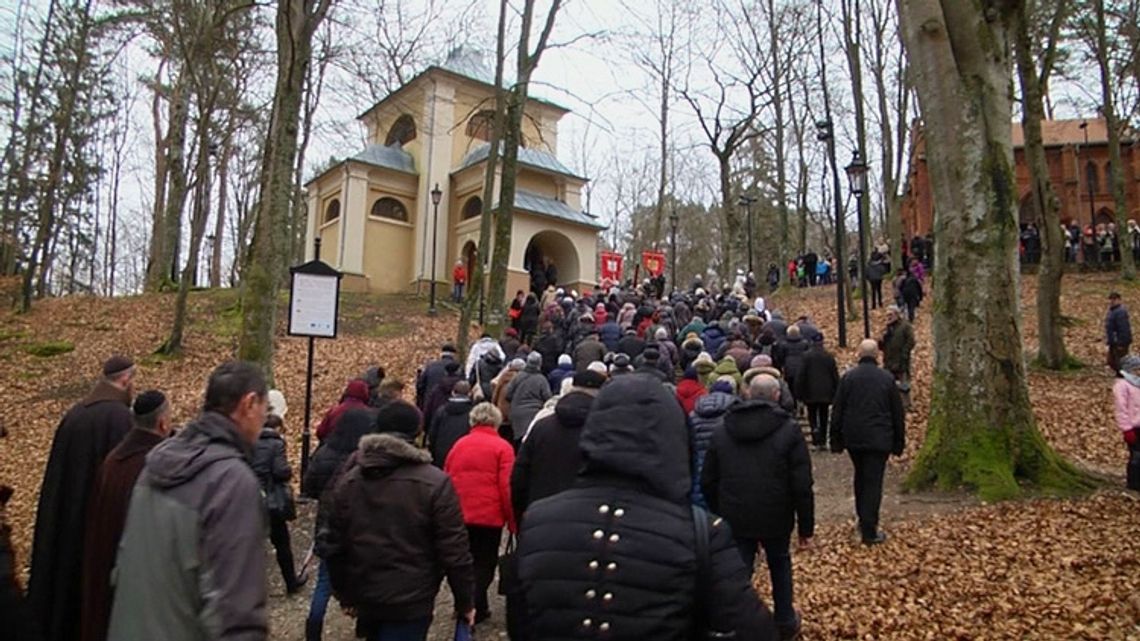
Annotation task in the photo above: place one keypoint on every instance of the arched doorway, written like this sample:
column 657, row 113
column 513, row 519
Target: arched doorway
column 1027, row 212
column 470, row 254
column 548, row 248
column 1105, row 216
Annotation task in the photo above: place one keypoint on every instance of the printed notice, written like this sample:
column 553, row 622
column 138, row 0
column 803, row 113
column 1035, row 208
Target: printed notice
column 314, row 305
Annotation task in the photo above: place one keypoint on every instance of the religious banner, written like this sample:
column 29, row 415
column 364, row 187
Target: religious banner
column 654, row 262
column 611, row 268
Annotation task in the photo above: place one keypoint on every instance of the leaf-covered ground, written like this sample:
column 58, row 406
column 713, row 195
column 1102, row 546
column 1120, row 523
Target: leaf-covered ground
column 953, row 569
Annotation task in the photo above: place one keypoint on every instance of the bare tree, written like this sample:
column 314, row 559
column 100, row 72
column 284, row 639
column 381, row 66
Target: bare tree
column 981, row 432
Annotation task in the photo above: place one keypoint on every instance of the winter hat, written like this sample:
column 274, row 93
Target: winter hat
column 589, row 380
column 1129, row 363
column 518, row 363
column 598, row 367
column 373, row 376
column 704, row 359
column 760, row 360
column 447, row 348
column 621, row 364
column 277, row 405
column 565, row 359
column 117, row 365
column 451, row 367
column 661, row 334
column 148, row 402
column 512, row 332
column 399, row 417
column 724, row 385
column 357, row 389
column 534, row 359
column 651, row 354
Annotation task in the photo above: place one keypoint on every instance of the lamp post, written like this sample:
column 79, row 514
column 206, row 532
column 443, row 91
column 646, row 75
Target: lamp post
column 673, row 246
column 824, row 134
column 436, row 196
column 857, row 177
column 747, row 202
column 1088, row 178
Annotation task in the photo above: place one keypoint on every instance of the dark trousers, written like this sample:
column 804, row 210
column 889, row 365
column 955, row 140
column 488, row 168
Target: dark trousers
column 876, row 294
column 319, row 604
column 1133, row 472
column 779, row 562
column 817, row 420
column 910, row 310
column 484, row 543
column 414, row 630
column 279, row 536
column 1115, row 353
column 870, row 467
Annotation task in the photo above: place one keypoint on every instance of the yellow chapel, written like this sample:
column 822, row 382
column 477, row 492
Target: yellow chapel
column 373, row 211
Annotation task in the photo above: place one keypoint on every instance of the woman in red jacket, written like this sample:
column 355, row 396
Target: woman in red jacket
column 480, row 469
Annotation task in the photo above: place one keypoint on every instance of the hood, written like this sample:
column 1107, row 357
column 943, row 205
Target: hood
column 636, row 431
column 714, row 331
column 727, row 366
column 754, row 420
column 689, row 388
column 704, row 368
column 713, row 404
column 380, row 452
column 210, row 438
column 356, row 389
column 573, row 409
column 105, row 391
column 455, row 406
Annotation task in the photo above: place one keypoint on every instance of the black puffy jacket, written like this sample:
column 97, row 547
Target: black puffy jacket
column 449, row 425
column 789, row 357
column 868, row 412
column 549, row 459
column 818, row 377
column 335, row 450
column 707, row 417
column 614, row 557
column 757, row 473
column 268, row 461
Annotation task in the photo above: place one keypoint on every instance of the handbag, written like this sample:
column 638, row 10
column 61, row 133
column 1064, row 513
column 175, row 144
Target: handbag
column 280, row 503
column 509, row 569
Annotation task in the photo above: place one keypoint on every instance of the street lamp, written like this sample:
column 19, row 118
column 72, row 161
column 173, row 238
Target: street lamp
column 747, row 202
column 857, row 179
column 824, row 134
column 673, row 246
column 1089, row 182
column 436, row 196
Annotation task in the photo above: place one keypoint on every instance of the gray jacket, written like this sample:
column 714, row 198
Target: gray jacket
column 191, row 563
column 527, row 393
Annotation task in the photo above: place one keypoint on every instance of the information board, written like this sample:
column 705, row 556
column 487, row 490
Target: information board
column 313, row 305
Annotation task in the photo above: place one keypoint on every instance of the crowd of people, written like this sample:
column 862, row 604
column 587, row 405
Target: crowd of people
column 1096, row 245
column 638, row 453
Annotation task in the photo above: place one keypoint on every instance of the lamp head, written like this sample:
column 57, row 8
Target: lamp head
column 436, row 195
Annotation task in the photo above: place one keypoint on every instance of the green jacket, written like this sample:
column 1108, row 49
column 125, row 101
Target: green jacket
column 726, row 367
column 897, row 344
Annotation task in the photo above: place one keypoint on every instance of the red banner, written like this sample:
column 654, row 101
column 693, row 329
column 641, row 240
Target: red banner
column 611, row 269
column 654, row 262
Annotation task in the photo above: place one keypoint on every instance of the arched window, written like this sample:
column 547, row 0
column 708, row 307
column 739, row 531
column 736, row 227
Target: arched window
column 473, row 207
column 332, row 210
column 1092, row 176
column 481, row 125
column 390, row 208
column 402, row 132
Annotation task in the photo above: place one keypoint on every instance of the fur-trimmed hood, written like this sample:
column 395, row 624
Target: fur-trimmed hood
column 385, row 451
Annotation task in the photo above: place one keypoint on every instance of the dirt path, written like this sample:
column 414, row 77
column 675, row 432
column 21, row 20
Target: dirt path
column 834, row 503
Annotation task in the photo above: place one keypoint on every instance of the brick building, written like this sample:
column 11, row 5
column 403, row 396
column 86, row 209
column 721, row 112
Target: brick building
column 1077, row 167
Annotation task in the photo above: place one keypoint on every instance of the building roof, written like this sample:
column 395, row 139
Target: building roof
column 387, row 158
column 1058, row 133
column 533, row 158
column 541, row 205
column 466, row 64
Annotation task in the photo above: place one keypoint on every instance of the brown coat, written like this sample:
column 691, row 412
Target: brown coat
column 106, row 515
column 499, row 393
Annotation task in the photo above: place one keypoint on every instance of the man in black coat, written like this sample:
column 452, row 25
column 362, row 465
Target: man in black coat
column 815, row 387
column 1117, row 332
column 757, row 474
column 869, row 421
column 788, row 355
column 616, row 555
column 450, row 423
column 631, row 345
column 87, row 433
column 435, row 371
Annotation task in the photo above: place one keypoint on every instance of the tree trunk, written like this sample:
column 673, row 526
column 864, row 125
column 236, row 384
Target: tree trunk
column 1112, row 123
column 778, row 74
column 296, row 22
column 1050, row 329
column 198, row 218
column 162, row 268
column 732, row 228
column 220, row 217
column 981, row 432
column 852, row 41
column 477, row 281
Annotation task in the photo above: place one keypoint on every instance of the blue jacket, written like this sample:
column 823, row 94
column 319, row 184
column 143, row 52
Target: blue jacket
column 707, row 417
column 713, row 337
column 1117, row 329
column 610, row 333
column 555, row 377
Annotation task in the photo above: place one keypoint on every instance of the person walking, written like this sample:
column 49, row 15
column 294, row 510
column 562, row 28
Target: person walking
column 1117, row 331
column 527, row 392
column 1126, row 397
column 271, row 466
column 458, row 281
column 897, row 345
column 911, row 290
column 876, row 271
column 433, row 373
column 450, row 423
column 480, row 467
column 88, row 432
column 757, row 474
column 869, row 422
column 788, row 355
column 394, row 530
column 107, row 510
column 194, row 533
column 815, row 387
column 619, row 554
column 327, row 461
column 706, row 418
column 355, row 396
